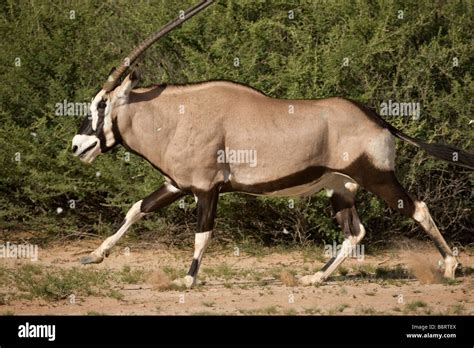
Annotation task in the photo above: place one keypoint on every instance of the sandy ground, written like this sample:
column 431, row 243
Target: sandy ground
column 258, row 283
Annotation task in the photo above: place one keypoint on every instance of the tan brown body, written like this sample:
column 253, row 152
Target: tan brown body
column 187, row 126
column 299, row 147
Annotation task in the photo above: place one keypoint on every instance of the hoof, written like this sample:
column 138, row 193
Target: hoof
column 187, row 282
column 92, row 258
column 450, row 267
column 311, row 279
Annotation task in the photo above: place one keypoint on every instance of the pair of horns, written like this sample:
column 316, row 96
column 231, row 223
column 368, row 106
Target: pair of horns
column 137, row 51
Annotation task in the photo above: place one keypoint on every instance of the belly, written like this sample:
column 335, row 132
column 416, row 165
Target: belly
column 331, row 182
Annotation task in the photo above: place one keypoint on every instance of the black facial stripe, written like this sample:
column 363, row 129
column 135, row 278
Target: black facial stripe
column 86, row 127
column 102, row 104
column 100, row 127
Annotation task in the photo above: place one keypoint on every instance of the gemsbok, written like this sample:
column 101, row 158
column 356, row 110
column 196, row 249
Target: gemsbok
column 200, row 137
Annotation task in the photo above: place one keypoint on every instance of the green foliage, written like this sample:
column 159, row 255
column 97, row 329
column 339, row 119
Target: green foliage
column 53, row 283
column 57, row 284
column 406, row 59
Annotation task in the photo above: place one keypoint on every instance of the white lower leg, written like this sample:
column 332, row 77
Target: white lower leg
column 201, row 240
column 348, row 246
column 423, row 217
column 133, row 215
column 450, row 264
column 346, row 250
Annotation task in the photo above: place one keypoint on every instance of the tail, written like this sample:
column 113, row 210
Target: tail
column 445, row 152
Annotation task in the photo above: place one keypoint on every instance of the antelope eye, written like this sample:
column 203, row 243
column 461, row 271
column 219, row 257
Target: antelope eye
column 102, row 104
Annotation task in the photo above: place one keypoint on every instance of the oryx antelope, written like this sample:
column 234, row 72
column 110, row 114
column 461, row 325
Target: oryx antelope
column 300, row 147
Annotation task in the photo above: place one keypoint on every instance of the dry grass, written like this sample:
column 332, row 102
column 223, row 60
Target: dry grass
column 159, row 280
column 288, row 279
column 423, row 269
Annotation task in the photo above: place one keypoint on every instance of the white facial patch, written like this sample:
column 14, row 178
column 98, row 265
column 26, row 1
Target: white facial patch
column 107, row 126
column 94, row 105
column 108, row 132
column 88, row 147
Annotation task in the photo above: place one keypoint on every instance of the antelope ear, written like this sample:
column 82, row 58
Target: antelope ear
column 128, row 84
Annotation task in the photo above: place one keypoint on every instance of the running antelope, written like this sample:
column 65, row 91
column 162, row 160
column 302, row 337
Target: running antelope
column 188, row 132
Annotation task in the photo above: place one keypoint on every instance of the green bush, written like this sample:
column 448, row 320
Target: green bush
column 67, row 55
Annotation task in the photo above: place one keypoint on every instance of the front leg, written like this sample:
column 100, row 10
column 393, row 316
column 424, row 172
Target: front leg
column 206, row 212
column 162, row 197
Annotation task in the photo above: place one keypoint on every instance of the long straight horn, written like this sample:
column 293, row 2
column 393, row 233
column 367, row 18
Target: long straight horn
column 128, row 61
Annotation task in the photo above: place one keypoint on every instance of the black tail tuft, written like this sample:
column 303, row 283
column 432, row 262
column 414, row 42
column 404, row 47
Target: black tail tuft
column 445, row 152
column 449, row 153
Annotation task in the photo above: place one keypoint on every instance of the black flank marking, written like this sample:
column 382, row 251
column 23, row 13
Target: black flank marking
column 361, row 170
column 305, row 176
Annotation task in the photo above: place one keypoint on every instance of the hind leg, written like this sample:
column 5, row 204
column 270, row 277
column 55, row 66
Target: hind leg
column 387, row 187
column 346, row 215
